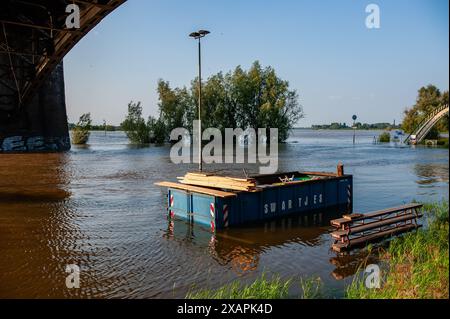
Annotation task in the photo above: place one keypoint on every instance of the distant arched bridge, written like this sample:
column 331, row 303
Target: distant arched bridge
column 426, row 125
column 34, row 38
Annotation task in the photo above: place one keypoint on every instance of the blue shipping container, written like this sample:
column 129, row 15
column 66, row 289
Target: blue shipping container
column 276, row 200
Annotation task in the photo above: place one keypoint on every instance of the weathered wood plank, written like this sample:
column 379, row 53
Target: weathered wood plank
column 342, row 221
column 201, row 190
column 365, row 239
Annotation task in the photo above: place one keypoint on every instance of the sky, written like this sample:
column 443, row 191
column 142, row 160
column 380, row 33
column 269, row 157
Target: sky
column 338, row 66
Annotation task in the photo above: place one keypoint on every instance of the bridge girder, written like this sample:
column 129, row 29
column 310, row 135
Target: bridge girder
column 43, row 39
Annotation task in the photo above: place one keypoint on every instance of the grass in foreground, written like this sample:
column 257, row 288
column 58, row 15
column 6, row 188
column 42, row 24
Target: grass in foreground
column 261, row 288
column 418, row 263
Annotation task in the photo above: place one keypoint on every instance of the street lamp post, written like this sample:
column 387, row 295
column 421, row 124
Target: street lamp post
column 198, row 35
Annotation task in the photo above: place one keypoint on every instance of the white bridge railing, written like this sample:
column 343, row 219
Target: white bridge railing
column 427, row 124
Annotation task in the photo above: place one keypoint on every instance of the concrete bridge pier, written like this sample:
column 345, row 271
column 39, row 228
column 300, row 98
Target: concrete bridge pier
column 41, row 124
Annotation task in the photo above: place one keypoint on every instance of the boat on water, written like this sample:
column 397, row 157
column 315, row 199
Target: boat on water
column 219, row 202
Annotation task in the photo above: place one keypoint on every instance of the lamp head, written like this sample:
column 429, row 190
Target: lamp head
column 203, row 32
column 194, row 35
column 199, row 34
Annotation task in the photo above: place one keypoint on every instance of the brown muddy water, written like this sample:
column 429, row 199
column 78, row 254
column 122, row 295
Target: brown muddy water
column 97, row 207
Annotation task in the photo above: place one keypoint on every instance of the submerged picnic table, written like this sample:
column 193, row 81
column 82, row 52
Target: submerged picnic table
column 358, row 229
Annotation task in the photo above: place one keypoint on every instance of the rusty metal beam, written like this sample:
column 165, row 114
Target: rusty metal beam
column 41, row 27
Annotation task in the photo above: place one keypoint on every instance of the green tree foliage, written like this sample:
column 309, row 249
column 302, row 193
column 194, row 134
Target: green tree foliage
column 428, row 99
column 137, row 130
column 157, row 130
column 174, row 105
column 248, row 99
column 80, row 132
column 384, row 137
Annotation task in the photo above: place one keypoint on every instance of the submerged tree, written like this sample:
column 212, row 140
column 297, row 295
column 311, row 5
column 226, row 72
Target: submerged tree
column 157, row 130
column 135, row 126
column 256, row 98
column 80, row 133
column 139, row 131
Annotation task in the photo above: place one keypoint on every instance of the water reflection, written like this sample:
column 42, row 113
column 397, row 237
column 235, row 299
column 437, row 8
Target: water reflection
column 36, row 230
column 347, row 264
column 241, row 248
column 431, row 173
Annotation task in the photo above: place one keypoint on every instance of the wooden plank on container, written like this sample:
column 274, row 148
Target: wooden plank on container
column 219, row 179
column 201, row 190
column 215, row 185
column 211, row 175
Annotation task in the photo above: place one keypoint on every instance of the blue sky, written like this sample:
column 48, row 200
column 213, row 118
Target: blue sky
column 323, row 48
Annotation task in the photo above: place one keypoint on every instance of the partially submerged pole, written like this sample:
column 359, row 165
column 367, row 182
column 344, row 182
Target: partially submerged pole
column 354, row 128
column 340, row 169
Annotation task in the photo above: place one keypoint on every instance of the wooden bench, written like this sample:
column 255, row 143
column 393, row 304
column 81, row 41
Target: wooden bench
column 358, row 229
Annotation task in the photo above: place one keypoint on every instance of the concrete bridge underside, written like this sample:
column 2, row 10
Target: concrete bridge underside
column 34, row 39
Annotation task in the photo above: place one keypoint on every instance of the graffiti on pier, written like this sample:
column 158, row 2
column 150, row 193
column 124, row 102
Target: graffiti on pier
column 34, row 144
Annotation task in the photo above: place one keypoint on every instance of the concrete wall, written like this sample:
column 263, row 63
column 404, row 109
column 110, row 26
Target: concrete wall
column 41, row 125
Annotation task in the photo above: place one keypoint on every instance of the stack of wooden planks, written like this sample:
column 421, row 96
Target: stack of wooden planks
column 222, row 182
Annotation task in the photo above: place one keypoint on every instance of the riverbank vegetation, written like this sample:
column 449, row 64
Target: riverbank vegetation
column 443, row 141
column 81, row 131
column 262, row 288
column 417, row 266
column 418, row 262
column 256, row 98
column 429, row 98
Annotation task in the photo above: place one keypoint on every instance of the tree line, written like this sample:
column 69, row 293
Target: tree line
column 358, row 125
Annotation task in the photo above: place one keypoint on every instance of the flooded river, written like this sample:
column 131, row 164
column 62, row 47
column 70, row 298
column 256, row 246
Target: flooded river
column 97, row 207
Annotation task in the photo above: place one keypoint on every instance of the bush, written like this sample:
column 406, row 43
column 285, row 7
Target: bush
column 80, row 133
column 443, row 142
column 384, row 137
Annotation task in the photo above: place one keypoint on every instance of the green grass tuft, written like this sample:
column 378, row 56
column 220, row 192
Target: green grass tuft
column 262, row 288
